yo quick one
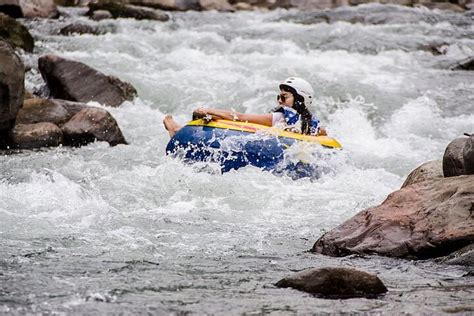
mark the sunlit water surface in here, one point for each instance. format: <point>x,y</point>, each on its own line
<point>127,229</point>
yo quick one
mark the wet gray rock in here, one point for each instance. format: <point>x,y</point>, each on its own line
<point>119,10</point>
<point>92,124</point>
<point>75,81</point>
<point>12,76</point>
<point>11,8</point>
<point>468,155</point>
<point>462,257</point>
<point>453,162</point>
<point>466,64</point>
<point>15,33</point>
<point>100,15</point>
<point>335,283</point>
<point>30,136</point>
<point>424,220</point>
<point>303,4</point>
<point>79,28</point>
<point>172,5</point>
<point>39,9</point>
<point>54,111</point>
<point>430,170</point>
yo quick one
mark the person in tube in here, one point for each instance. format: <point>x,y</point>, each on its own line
<point>292,112</point>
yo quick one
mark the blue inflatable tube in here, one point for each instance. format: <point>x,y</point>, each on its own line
<point>236,144</point>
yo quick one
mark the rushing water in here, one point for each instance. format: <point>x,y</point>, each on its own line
<point>103,229</point>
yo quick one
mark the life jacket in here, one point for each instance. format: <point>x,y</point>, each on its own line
<point>292,119</point>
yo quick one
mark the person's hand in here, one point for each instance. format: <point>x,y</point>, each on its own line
<point>201,113</point>
<point>322,132</point>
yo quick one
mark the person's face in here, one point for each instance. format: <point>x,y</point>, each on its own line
<point>285,98</point>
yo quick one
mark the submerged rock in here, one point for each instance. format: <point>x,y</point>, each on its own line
<point>335,283</point>
<point>424,220</point>
<point>467,64</point>
<point>91,124</point>
<point>79,28</point>
<point>15,33</point>
<point>75,81</point>
<point>430,170</point>
<point>119,10</point>
<point>12,75</point>
<point>30,136</point>
<point>453,162</point>
<point>54,111</point>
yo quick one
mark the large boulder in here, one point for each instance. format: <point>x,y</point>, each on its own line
<point>423,220</point>
<point>468,155</point>
<point>335,283</point>
<point>428,171</point>
<point>54,111</point>
<point>75,81</point>
<point>30,136</point>
<point>91,124</point>
<point>39,9</point>
<point>15,33</point>
<point>453,162</point>
<point>119,10</point>
<point>11,8</point>
<point>12,75</point>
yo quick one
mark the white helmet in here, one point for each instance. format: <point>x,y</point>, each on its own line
<point>302,87</point>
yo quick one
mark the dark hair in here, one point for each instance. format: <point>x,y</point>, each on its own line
<point>300,108</point>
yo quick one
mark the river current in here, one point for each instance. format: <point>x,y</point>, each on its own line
<point>102,229</point>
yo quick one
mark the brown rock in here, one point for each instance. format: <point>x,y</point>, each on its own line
<point>75,81</point>
<point>468,155</point>
<point>453,162</point>
<point>335,283</point>
<point>100,15</point>
<point>39,9</point>
<point>11,8</point>
<point>53,111</point>
<point>12,89</point>
<point>30,136</point>
<point>218,5</point>
<point>243,6</point>
<point>15,33</point>
<point>119,10</point>
<point>430,170</point>
<point>91,124</point>
<point>423,220</point>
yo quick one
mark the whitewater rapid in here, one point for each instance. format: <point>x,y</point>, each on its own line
<point>102,229</point>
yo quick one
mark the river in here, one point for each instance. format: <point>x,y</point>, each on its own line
<point>127,229</point>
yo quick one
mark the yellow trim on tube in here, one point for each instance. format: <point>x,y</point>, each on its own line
<point>252,128</point>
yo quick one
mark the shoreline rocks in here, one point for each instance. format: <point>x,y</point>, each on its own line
<point>75,81</point>
<point>119,10</point>
<point>335,283</point>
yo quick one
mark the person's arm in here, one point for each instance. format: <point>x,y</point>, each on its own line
<point>263,119</point>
